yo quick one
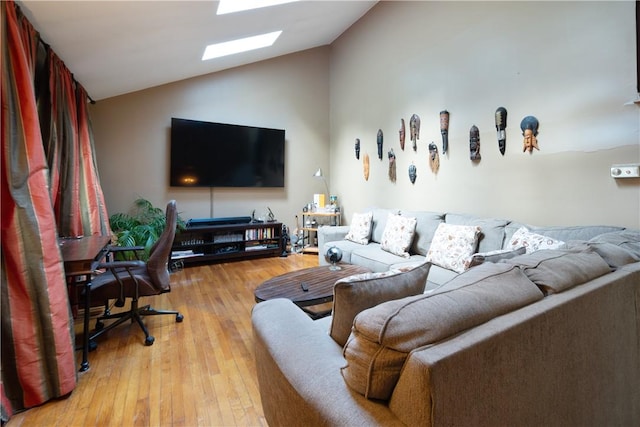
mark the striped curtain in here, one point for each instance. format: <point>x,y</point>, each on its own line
<point>75,187</point>
<point>38,361</point>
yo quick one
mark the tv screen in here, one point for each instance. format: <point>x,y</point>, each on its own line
<point>206,154</point>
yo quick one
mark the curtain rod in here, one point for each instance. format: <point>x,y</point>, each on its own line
<point>48,47</point>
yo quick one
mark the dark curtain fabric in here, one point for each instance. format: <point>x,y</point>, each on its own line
<point>37,329</point>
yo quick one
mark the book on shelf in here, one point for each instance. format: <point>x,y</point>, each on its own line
<point>183,254</point>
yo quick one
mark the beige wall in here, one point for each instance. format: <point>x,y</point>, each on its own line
<point>572,65</point>
<point>415,57</point>
<point>132,134</point>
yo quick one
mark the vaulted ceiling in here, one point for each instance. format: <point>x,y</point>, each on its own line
<point>117,47</point>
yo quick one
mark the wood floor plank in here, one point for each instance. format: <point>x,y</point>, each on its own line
<point>200,372</point>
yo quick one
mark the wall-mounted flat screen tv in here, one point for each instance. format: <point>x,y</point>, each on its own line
<point>207,154</point>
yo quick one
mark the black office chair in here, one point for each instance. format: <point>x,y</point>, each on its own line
<point>135,279</point>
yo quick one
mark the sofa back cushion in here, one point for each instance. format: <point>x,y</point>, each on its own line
<point>380,216</point>
<point>354,294</point>
<point>492,230</point>
<point>578,232</point>
<point>383,336</point>
<point>426,225</point>
<point>556,270</point>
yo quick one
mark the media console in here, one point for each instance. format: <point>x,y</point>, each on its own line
<point>226,239</point>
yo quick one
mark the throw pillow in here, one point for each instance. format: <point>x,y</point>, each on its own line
<point>398,234</point>
<point>453,245</point>
<point>356,293</point>
<point>360,228</point>
<point>531,241</point>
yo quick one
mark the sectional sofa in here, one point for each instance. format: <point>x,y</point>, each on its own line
<point>493,241</point>
<point>546,337</point>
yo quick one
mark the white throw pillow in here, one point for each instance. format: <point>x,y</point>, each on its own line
<point>360,228</point>
<point>531,241</point>
<point>453,245</point>
<point>398,234</point>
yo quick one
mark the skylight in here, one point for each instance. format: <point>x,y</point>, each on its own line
<point>231,6</point>
<point>240,45</point>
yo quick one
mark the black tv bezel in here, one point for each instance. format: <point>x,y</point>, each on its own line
<point>248,180</point>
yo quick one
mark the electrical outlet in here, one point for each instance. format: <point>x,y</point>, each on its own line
<point>625,171</point>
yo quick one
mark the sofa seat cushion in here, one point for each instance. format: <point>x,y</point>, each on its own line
<point>495,256</point>
<point>384,335</point>
<point>453,245</point>
<point>375,259</point>
<point>556,270</point>
<point>355,293</point>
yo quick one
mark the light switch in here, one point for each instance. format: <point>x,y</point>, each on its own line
<point>625,171</point>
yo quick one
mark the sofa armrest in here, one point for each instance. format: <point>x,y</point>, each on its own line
<point>298,367</point>
<point>331,234</point>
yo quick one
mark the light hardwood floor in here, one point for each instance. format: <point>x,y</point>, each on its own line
<point>197,373</point>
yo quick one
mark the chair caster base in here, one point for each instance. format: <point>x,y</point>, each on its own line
<point>149,340</point>
<point>179,318</point>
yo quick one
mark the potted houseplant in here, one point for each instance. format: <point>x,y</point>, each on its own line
<point>140,227</point>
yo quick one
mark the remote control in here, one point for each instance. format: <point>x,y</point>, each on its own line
<point>304,287</point>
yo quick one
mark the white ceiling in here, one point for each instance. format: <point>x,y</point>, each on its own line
<point>117,47</point>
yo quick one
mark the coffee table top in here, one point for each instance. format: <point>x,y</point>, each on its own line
<point>319,281</point>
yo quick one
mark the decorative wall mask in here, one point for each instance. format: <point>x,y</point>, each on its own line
<point>444,130</point>
<point>501,125</point>
<point>474,142</point>
<point>402,130</point>
<point>414,128</point>
<point>379,142</point>
<point>434,158</point>
<point>412,173</point>
<point>529,126</point>
<point>357,148</point>
<point>365,166</point>
<point>392,165</point>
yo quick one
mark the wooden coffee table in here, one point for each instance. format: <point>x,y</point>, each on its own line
<point>318,281</point>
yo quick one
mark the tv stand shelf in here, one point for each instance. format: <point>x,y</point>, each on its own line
<point>213,243</point>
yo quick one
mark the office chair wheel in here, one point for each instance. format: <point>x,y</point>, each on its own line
<point>92,345</point>
<point>149,340</point>
<point>99,326</point>
<point>179,318</point>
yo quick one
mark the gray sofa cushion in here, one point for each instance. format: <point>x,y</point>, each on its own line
<point>427,223</point>
<point>383,336</point>
<point>379,222</point>
<point>578,232</point>
<point>353,294</point>
<point>493,230</point>
<point>375,259</point>
<point>556,270</point>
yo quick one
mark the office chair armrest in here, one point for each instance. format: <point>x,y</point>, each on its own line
<point>123,249</point>
<point>111,265</point>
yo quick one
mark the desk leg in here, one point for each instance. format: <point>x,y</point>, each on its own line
<point>84,366</point>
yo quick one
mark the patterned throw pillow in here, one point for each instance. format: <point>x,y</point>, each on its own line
<point>453,245</point>
<point>398,234</point>
<point>532,242</point>
<point>360,228</point>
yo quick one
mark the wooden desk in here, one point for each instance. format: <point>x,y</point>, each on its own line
<point>80,258</point>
